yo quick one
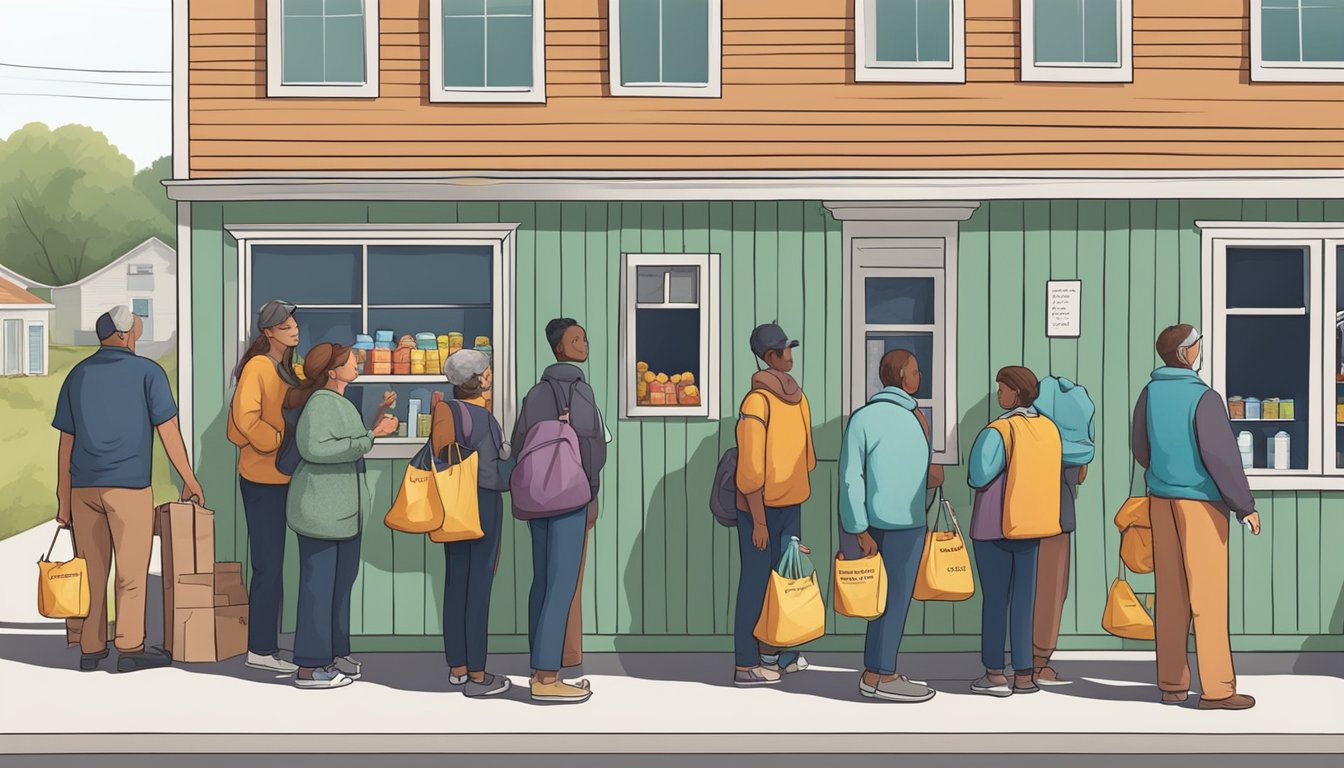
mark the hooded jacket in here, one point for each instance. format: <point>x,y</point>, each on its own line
<point>541,405</point>
<point>884,466</point>
<point>774,441</point>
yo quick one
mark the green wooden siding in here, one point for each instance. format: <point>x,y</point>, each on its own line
<point>660,574</point>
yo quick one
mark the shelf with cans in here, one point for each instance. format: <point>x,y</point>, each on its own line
<point>1272,416</point>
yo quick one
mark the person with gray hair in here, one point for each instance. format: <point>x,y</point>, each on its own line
<point>109,406</point>
<point>470,566</point>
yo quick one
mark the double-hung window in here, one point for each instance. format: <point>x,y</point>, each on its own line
<point>322,48</point>
<point>665,47</point>
<point>1078,40</point>
<point>409,283</point>
<point>1297,40</point>
<point>921,41</point>
<point>669,335</point>
<point>487,50</point>
<point>1274,347</point>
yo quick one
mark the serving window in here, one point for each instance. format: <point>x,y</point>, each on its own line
<point>669,335</point>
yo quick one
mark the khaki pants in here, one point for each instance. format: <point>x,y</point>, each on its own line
<point>573,655</point>
<point>119,520</point>
<point>1052,586</point>
<point>1190,559</point>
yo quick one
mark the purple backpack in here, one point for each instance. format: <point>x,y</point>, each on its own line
<point>548,479</point>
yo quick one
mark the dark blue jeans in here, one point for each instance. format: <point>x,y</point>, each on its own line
<point>557,551</point>
<point>264,506</point>
<point>900,551</point>
<point>757,564</point>
<point>469,573</point>
<point>327,571</point>
<point>1008,583</point>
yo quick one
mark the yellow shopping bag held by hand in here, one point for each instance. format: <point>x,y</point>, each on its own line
<point>457,492</point>
<point>945,567</point>
<point>1124,616</point>
<point>418,508</point>
<point>860,587</point>
<point>62,588</point>
<point>794,612</point>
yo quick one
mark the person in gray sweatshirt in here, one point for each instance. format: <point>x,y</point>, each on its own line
<point>558,542</point>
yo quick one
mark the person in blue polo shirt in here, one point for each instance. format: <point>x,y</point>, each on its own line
<point>109,407</point>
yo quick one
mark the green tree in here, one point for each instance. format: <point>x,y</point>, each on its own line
<point>149,182</point>
<point>71,203</point>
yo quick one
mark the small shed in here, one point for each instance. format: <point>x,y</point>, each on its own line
<point>25,322</point>
<point>144,279</point>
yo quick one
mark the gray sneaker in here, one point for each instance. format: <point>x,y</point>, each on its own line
<point>347,666</point>
<point>493,685</point>
<point>900,689</point>
<point>988,687</point>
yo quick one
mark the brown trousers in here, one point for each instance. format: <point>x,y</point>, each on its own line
<point>573,653</point>
<point>1190,559</point>
<point>1052,587</point>
<point>120,521</point>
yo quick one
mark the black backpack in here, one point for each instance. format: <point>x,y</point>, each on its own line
<point>723,494</point>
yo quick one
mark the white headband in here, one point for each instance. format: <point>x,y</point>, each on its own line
<point>1191,339</point>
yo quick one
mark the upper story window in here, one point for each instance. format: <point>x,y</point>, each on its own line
<point>318,48</point>
<point>140,277</point>
<point>921,41</point>
<point>487,50</point>
<point>1078,40</point>
<point>1297,40</point>
<point>665,47</point>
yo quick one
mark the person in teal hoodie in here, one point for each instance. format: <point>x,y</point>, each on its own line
<point>885,472</point>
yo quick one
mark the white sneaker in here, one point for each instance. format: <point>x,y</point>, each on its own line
<point>347,666</point>
<point>457,681</point>
<point>271,663</point>
<point>324,678</point>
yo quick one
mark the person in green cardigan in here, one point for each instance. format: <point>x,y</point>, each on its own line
<point>327,500</point>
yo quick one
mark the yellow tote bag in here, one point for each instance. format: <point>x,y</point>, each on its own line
<point>861,587</point>
<point>1136,534</point>
<point>417,508</point>
<point>1124,616</point>
<point>455,487</point>
<point>945,567</point>
<point>793,612</point>
<point>62,588</point>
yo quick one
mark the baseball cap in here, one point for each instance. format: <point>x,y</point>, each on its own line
<point>116,320</point>
<point>274,313</point>
<point>770,337</point>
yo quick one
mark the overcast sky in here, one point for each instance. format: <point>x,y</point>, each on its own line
<point>70,51</point>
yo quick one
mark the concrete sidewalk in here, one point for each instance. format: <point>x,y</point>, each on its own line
<point>645,704</point>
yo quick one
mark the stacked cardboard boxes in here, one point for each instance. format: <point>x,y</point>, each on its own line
<point>204,602</point>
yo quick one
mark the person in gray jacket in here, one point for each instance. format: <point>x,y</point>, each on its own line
<point>558,543</point>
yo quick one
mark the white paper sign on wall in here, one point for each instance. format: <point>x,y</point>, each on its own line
<point>1063,309</point>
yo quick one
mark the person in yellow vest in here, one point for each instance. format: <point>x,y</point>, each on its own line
<point>264,376</point>
<point>1015,467</point>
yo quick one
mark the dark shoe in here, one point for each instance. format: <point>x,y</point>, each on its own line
<point>1233,702</point>
<point>1175,697</point>
<point>1024,684</point>
<point>88,662</point>
<point>150,658</point>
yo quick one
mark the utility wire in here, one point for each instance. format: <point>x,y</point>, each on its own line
<point>94,71</point>
<point>85,82</point>
<point>81,96</point>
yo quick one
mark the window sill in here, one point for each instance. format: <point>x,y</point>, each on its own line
<point>1261,73</point>
<point>488,96</point>
<point>1290,480</point>
<point>667,412</point>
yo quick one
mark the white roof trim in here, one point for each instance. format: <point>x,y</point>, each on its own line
<point>23,282</point>
<point>122,259</point>
<point>41,307</point>
<point>766,185</point>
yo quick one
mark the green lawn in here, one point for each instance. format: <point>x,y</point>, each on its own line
<point>28,443</point>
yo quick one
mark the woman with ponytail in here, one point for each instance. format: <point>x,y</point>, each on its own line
<point>264,377</point>
<point>328,499</point>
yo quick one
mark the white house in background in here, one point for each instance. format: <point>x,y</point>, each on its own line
<point>25,321</point>
<point>144,279</point>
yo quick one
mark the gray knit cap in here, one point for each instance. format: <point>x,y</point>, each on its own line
<point>464,365</point>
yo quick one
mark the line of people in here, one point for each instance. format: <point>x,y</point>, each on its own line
<point>301,467</point>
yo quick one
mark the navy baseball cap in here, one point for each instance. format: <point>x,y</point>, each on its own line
<point>770,337</point>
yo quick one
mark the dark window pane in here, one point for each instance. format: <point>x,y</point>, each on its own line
<point>1323,31</point>
<point>640,47</point>
<point>323,326</point>
<point>649,285</point>
<point>1101,33</point>
<point>935,30</point>
<point>1280,33</point>
<point>1059,31</point>
<point>685,41</point>
<point>463,52</point>
<point>408,322</point>
<point>306,274</point>
<point>899,300</point>
<point>430,274</point>
<point>367,396</point>
<point>509,48</point>
<point>897,30</point>
<point>1268,357</point>
<point>1266,278</point>
<point>879,344</point>
<point>668,340</point>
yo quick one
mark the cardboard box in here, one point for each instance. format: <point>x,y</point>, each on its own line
<point>209,634</point>
<point>229,584</point>
<point>187,546</point>
<point>194,590</point>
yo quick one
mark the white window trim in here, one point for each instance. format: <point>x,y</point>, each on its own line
<point>1078,73</point>
<point>1320,239</point>
<point>275,60</point>
<point>711,90</point>
<point>893,253</point>
<point>438,94</point>
<point>709,306</point>
<point>1287,71</point>
<point>501,237</point>
<point>868,69</point>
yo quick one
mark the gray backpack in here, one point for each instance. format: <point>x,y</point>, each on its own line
<point>723,494</point>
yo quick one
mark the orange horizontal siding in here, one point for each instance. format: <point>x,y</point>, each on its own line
<point>789,102</point>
